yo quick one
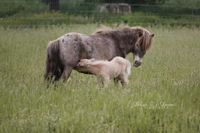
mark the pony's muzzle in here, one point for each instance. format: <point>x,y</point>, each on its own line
<point>137,63</point>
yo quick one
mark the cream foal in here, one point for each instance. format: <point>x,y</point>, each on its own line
<point>118,69</point>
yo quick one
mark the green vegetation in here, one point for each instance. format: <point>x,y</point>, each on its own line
<point>14,13</point>
<point>163,94</point>
<point>137,18</point>
<point>13,7</point>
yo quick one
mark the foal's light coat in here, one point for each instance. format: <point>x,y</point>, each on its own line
<point>118,69</point>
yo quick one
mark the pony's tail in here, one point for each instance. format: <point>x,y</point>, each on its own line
<point>54,67</point>
<point>128,68</point>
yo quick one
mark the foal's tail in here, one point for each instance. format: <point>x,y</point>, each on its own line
<point>128,68</point>
<point>54,67</point>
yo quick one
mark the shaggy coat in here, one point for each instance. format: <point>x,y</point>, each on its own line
<point>118,68</point>
<point>64,53</point>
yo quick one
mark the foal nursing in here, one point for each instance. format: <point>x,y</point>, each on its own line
<point>118,69</point>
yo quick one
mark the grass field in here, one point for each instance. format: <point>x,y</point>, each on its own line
<point>163,94</point>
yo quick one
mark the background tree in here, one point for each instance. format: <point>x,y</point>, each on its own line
<point>129,1</point>
<point>54,5</point>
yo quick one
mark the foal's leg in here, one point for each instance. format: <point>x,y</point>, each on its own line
<point>124,82</point>
<point>106,80</point>
<point>100,81</point>
<point>66,73</point>
<point>116,81</point>
<point>124,79</point>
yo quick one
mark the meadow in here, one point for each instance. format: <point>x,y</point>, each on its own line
<point>163,95</point>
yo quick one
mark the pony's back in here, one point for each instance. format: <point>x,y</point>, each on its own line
<point>123,61</point>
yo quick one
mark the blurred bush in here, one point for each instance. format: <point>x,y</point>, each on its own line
<point>11,7</point>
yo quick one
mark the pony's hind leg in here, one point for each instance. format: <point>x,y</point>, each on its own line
<point>66,73</point>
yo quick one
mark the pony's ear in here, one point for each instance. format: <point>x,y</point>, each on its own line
<point>140,33</point>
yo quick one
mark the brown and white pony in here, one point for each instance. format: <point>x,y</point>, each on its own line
<point>64,53</point>
<point>118,69</point>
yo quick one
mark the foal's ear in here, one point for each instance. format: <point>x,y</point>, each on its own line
<point>152,35</point>
<point>92,59</point>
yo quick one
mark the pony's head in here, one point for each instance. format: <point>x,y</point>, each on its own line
<point>136,40</point>
<point>142,44</point>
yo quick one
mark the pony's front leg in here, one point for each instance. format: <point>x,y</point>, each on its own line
<point>66,73</point>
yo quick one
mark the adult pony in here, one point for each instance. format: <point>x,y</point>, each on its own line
<point>64,53</point>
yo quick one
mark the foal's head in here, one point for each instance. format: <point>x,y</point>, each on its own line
<point>85,62</point>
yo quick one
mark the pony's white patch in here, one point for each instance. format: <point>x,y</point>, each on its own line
<point>137,58</point>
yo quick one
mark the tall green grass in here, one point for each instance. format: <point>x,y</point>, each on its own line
<point>163,94</point>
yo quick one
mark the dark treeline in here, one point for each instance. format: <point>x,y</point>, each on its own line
<point>34,12</point>
<point>128,1</point>
<point>54,4</point>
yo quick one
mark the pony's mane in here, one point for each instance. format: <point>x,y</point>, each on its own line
<point>146,39</point>
<point>108,30</point>
<point>103,29</point>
